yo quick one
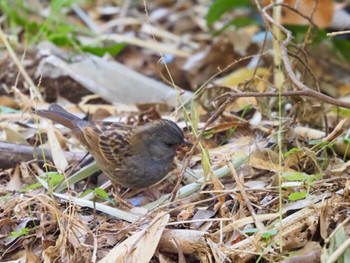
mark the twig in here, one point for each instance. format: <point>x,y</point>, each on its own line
<point>191,152</point>
<point>11,154</point>
<point>306,92</point>
<point>258,224</point>
<point>332,34</point>
<point>85,18</point>
<point>299,13</point>
<point>284,52</point>
<point>32,88</point>
<point>306,66</point>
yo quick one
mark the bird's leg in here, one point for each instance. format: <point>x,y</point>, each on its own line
<point>118,198</point>
<point>173,194</point>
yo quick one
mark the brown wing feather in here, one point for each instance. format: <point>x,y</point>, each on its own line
<point>109,140</point>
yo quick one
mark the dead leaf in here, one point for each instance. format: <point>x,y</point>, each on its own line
<point>15,183</point>
<point>322,12</point>
<point>139,247</point>
<point>56,150</point>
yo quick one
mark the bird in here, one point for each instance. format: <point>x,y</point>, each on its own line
<point>134,157</point>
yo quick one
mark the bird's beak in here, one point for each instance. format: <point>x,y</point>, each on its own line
<point>186,145</point>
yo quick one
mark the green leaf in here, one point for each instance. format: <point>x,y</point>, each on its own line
<point>54,179</point>
<point>62,35</point>
<point>85,193</point>
<point>243,21</point>
<point>208,135</point>
<point>55,27</point>
<point>297,196</point>
<point>83,173</point>
<point>220,7</point>
<point>291,151</point>
<point>24,231</point>
<point>300,31</point>
<point>57,5</point>
<point>101,51</point>
<point>30,187</point>
<point>59,39</point>
<point>194,115</point>
<point>205,162</point>
<point>341,237</point>
<point>269,233</point>
<point>295,176</point>
<point>341,112</point>
<point>319,142</point>
<point>238,22</point>
<point>250,231</point>
<point>101,193</point>
<point>343,47</point>
<point>303,177</point>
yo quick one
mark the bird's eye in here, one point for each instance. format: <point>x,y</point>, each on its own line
<point>170,144</point>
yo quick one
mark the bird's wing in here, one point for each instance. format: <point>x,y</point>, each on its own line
<point>109,140</point>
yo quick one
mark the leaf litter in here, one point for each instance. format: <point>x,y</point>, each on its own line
<point>245,196</point>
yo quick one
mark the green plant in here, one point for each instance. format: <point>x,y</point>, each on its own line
<point>337,250</point>
<point>300,177</point>
<point>220,7</point>
<point>22,232</point>
<point>54,27</point>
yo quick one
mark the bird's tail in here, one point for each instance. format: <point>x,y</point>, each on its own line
<point>58,114</point>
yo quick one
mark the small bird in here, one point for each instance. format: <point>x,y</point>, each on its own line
<point>132,156</point>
